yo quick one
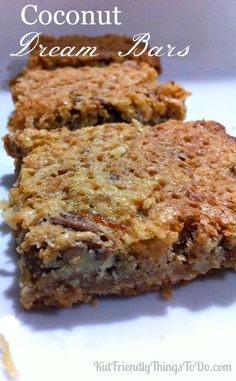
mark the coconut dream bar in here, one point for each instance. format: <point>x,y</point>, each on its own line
<point>80,97</point>
<point>120,208</point>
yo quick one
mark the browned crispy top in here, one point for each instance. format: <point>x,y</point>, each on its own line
<point>132,183</point>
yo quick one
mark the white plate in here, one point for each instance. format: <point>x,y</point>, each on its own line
<point>197,325</point>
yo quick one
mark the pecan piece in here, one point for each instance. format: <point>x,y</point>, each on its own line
<point>76,222</point>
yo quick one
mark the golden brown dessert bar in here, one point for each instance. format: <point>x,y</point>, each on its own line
<point>107,46</point>
<point>89,96</point>
<point>122,210</point>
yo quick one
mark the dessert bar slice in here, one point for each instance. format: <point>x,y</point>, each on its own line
<point>108,46</point>
<point>89,96</point>
<point>120,209</point>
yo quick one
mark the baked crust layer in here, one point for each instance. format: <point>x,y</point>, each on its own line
<point>89,96</point>
<point>121,210</point>
<point>107,45</point>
